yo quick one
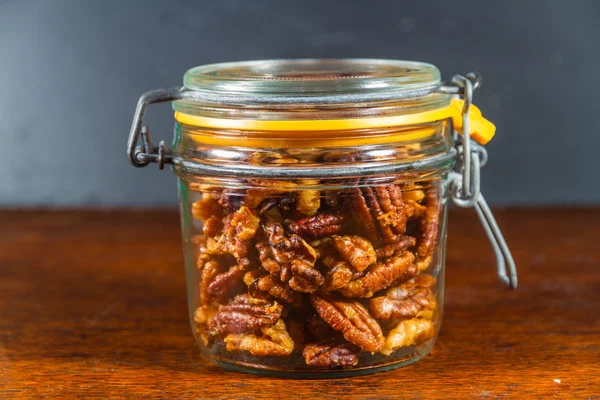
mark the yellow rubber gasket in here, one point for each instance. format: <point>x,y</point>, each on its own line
<point>481,129</point>
<point>315,125</point>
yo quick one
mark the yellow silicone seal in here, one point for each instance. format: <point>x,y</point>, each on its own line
<point>480,128</point>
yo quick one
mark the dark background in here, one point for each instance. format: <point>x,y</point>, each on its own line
<point>71,73</point>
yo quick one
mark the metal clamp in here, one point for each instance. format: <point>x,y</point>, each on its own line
<point>142,155</point>
<point>465,189</point>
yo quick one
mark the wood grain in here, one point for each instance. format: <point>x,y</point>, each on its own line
<point>93,305</point>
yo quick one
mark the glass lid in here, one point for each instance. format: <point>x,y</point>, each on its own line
<point>310,77</point>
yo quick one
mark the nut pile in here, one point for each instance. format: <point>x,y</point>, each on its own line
<point>321,275</point>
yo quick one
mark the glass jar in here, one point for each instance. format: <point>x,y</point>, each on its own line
<point>313,197</point>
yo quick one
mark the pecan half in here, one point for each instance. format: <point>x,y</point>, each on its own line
<point>429,225</point>
<point>358,252</point>
<point>380,212</point>
<point>291,259</point>
<point>392,204</point>
<point>306,278</point>
<point>319,225</point>
<point>224,284</point>
<point>275,341</point>
<point>408,333</point>
<point>357,205</point>
<point>269,284</point>
<point>244,314</point>
<point>382,275</point>
<point>330,355</point>
<point>409,300</point>
<point>352,320</point>
<point>403,243</point>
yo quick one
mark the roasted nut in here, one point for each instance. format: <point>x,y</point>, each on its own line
<point>244,314</point>
<point>358,252</point>
<point>264,189</point>
<point>276,242</point>
<point>429,225</point>
<point>224,284</point>
<point>338,273</point>
<point>411,299</point>
<point>380,213</point>
<point>245,223</point>
<point>202,315</point>
<point>331,355</point>
<point>238,229</point>
<point>275,341</point>
<point>403,243</point>
<point>408,333</point>
<point>308,201</point>
<point>206,207</point>
<point>212,226</point>
<point>352,320</point>
<point>269,284</point>
<point>231,199</point>
<point>358,209</point>
<point>290,259</point>
<point>412,194</point>
<point>382,275</point>
<point>210,271</point>
<point>392,204</point>
<point>319,225</point>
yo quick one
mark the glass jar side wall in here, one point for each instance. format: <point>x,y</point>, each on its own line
<point>299,278</point>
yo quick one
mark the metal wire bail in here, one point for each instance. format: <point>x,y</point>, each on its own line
<point>465,189</point>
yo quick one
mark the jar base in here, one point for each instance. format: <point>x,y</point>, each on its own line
<point>412,355</point>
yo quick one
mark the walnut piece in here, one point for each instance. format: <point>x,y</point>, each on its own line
<point>414,298</point>
<point>338,274</point>
<point>275,341</point>
<point>352,320</point>
<point>319,225</point>
<point>201,317</point>
<point>239,229</point>
<point>212,226</point>
<point>358,252</point>
<point>382,275</point>
<point>210,270</point>
<point>408,333</point>
<point>308,201</point>
<point>244,314</point>
<point>208,206</point>
<point>330,355</point>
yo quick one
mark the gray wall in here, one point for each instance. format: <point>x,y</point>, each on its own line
<point>71,72</point>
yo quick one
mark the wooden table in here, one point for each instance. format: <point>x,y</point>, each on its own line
<point>93,305</point>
